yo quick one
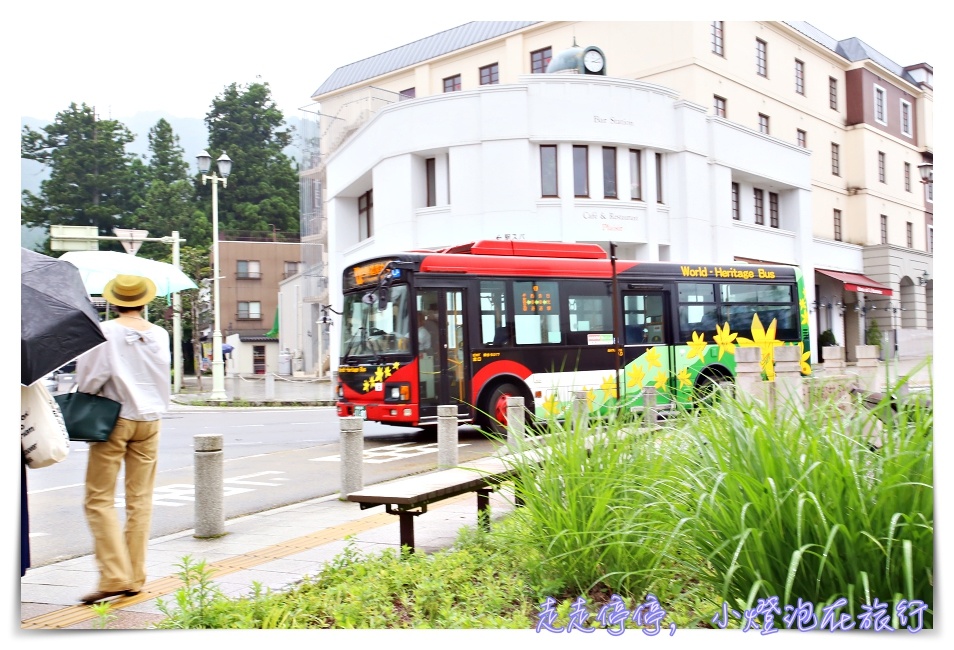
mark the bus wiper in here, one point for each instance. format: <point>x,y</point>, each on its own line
<point>351,342</point>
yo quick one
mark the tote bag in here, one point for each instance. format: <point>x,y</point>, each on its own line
<point>43,434</point>
<point>88,417</point>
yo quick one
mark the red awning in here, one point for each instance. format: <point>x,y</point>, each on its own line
<point>857,282</point>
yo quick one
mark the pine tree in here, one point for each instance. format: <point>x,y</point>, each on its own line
<point>170,203</point>
<point>262,193</point>
<point>92,179</point>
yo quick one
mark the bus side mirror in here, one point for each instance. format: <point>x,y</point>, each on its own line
<point>383,298</point>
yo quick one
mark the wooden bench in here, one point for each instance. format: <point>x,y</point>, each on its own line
<point>409,497</point>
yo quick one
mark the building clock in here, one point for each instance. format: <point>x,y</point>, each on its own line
<point>594,61</point>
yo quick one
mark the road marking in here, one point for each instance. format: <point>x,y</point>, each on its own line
<point>180,494</point>
<point>390,453</point>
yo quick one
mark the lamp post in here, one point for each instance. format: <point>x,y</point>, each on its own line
<point>224,164</point>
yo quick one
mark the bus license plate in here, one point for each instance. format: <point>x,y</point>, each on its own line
<point>360,412</point>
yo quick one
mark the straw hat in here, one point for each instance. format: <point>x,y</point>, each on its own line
<point>129,291</point>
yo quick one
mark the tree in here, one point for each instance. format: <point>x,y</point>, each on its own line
<point>262,192</point>
<point>170,203</point>
<point>92,179</point>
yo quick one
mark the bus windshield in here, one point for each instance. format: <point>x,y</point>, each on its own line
<point>369,331</point>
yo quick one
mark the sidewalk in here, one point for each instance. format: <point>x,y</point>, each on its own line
<point>275,548</point>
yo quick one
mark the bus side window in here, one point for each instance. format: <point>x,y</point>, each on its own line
<point>501,337</point>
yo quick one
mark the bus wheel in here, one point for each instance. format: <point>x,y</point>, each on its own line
<point>709,387</point>
<point>496,407</point>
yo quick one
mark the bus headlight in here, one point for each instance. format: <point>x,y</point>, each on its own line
<point>397,392</point>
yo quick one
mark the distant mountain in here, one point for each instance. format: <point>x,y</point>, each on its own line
<point>193,138</point>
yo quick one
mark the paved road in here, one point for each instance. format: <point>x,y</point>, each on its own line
<point>272,457</point>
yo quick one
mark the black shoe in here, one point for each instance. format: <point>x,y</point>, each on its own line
<point>97,596</point>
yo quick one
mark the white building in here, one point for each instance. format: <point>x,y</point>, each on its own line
<point>695,146</point>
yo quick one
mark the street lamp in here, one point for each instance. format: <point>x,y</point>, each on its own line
<point>224,163</point>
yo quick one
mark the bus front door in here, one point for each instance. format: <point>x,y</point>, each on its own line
<point>444,365</point>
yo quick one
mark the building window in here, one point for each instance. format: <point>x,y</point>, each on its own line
<point>837,225</point>
<point>736,214</point>
<point>659,178</point>
<point>930,192</point>
<point>905,118</point>
<point>907,177</point>
<point>833,93</point>
<point>799,77</point>
<point>759,207</point>
<point>581,185</point>
<point>430,168</point>
<point>548,170</point>
<point>773,210</point>
<point>802,138</point>
<point>879,106</point>
<point>609,173</point>
<point>761,57</point>
<point>365,215</point>
<point>489,75</point>
<point>835,160</point>
<point>718,44</point>
<point>635,175</point>
<point>452,84</point>
<point>540,59</point>
<point>881,167</point>
<point>910,235</point>
<point>249,270</point>
<point>930,239</point>
<point>884,229</point>
<point>407,93</point>
<point>249,310</point>
<point>763,123</point>
<point>291,268</point>
<point>719,105</point>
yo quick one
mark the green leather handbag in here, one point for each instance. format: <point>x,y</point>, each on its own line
<point>88,417</point>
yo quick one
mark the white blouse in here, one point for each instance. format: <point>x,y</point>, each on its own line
<point>131,367</point>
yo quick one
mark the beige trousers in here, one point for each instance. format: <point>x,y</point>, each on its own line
<point>121,555</point>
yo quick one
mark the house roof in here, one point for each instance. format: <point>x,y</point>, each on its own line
<point>426,48</point>
<point>456,38</point>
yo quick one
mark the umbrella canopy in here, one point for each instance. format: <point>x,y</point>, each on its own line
<point>99,267</point>
<point>57,320</point>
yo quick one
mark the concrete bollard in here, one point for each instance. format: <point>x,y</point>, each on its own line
<point>352,454</point>
<point>579,410</point>
<point>516,421</point>
<point>269,386</point>
<point>447,437</point>
<point>209,485</point>
<point>788,375</point>
<point>748,371</point>
<point>650,402</point>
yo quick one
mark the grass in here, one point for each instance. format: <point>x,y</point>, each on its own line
<point>733,504</point>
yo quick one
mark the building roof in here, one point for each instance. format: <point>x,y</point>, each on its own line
<point>426,48</point>
<point>852,49</point>
<point>456,38</point>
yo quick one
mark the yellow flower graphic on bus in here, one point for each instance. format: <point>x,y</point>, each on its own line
<point>697,346</point>
<point>635,377</point>
<point>652,358</point>
<point>724,339</point>
<point>765,340</point>
<point>803,357</point>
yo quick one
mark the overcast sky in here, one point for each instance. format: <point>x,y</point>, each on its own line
<point>177,57</point>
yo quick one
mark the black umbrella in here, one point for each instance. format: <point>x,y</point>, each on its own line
<point>57,320</point>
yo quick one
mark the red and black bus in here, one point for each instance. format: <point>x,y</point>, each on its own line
<point>471,325</point>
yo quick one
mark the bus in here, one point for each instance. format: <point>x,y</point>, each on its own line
<point>474,324</point>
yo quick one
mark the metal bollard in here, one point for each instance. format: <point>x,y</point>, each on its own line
<point>516,424</point>
<point>447,437</point>
<point>269,386</point>
<point>579,408</point>
<point>649,406</point>
<point>209,485</point>
<point>352,454</point>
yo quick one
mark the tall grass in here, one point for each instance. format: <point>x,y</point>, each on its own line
<point>817,503</point>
